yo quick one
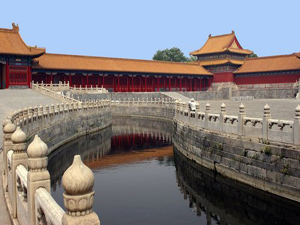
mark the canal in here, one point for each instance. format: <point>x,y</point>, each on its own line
<point>140,179</point>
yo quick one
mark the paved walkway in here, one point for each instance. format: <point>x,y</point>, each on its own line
<point>176,96</point>
<point>11,100</point>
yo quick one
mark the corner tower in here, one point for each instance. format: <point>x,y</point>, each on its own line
<point>221,55</point>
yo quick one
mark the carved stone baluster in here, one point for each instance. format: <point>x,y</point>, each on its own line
<point>78,182</point>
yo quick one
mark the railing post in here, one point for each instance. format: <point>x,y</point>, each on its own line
<point>207,111</point>
<point>241,119</point>
<point>265,124</point>
<point>38,175</point>
<point>8,130</point>
<point>222,114</point>
<point>78,182</point>
<point>296,127</point>
<point>19,157</point>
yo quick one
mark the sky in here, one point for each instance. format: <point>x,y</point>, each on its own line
<point>138,28</point>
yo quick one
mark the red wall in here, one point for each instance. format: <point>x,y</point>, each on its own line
<point>267,79</point>
<point>223,77</point>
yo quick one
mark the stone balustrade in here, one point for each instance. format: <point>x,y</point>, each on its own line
<point>50,91</point>
<point>261,152</point>
<point>90,90</point>
<point>29,197</point>
<point>61,86</point>
<point>264,129</point>
<point>26,179</point>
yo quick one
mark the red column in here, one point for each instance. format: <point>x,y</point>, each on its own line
<point>153,84</point>
<point>169,83</point>
<point>7,74</point>
<point>70,80</point>
<point>132,87</point>
<point>146,89</point>
<point>141,84</point>
<point>103,80</point>
<point>158,84</point>
<point>180,83</point>
<point>87,80</point>
<point>118,83</point>
<point>29,76</point>
<point>127,82</point>
<point>209,82</point>
<point>98,81</point>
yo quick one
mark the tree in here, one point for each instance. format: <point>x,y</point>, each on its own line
<point>174,55</point>
<point>253,55</point>
<point>192,58</point>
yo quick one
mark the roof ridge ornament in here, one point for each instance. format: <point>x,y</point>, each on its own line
<point>15,27</point>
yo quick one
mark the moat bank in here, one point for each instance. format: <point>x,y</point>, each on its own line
<point>139,179</point>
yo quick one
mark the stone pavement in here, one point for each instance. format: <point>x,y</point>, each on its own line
<point>176,96</point>
<point>283,109</point>
<point>11,100</point>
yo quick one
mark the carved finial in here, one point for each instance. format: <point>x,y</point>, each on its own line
<point>9,127</point>
<point>242,108</point>
<point>78,182</point>
<point>223,107</point>
<point>15,27</point>
<point>37,148</point>
<point>78,178</point>
<point>207,106</point>
<point>5,121</point>
<point>266,109</point>
<point>18,136</point>
<point>297,111</point>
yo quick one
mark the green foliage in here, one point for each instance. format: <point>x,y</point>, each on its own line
<point>192,59</point>
<point>267,150</point>
<point>253,55</point>
<point>285,170</point>
<point>173,55</point>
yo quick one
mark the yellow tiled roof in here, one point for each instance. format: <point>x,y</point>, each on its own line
<point>271,63</point>
<point>221,61</point>
<point>82,63</point>
<point>221,43</point>
<point>11,43</point>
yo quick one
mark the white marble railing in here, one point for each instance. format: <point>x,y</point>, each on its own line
<point>86,89</point>
<point>61,86</point>
<point>24,173</point>
<point>48,211</point>
<point>264,128</point>
<point>54,94</point>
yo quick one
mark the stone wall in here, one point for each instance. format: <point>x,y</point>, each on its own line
<point>118,95</point>
<point>157,109</point>
<point>272,167</point>
<point>256,93</point>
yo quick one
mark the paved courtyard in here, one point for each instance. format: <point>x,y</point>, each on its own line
<point>280,108</point>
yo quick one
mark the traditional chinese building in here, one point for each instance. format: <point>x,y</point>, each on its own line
<point>268,70</point>
<point>15,58</point>
<point>20,64</point>
<point>221,59</point>
<point>222,55</point>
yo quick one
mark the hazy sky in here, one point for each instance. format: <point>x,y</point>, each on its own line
<point>137,29</point>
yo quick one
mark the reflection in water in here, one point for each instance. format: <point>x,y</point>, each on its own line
<point>136,176</point>
<point>228,202</point>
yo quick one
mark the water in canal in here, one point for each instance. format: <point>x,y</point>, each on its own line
<point>140,179</point>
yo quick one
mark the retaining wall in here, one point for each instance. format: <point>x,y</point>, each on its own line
<point>217,144</point>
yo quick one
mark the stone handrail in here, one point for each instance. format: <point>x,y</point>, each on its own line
<point>264,128</point>
<point>45,121</point>
<point>61,86</point>
<point>48,210</point>
<point>87,89</point>
<point>49,92</point>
